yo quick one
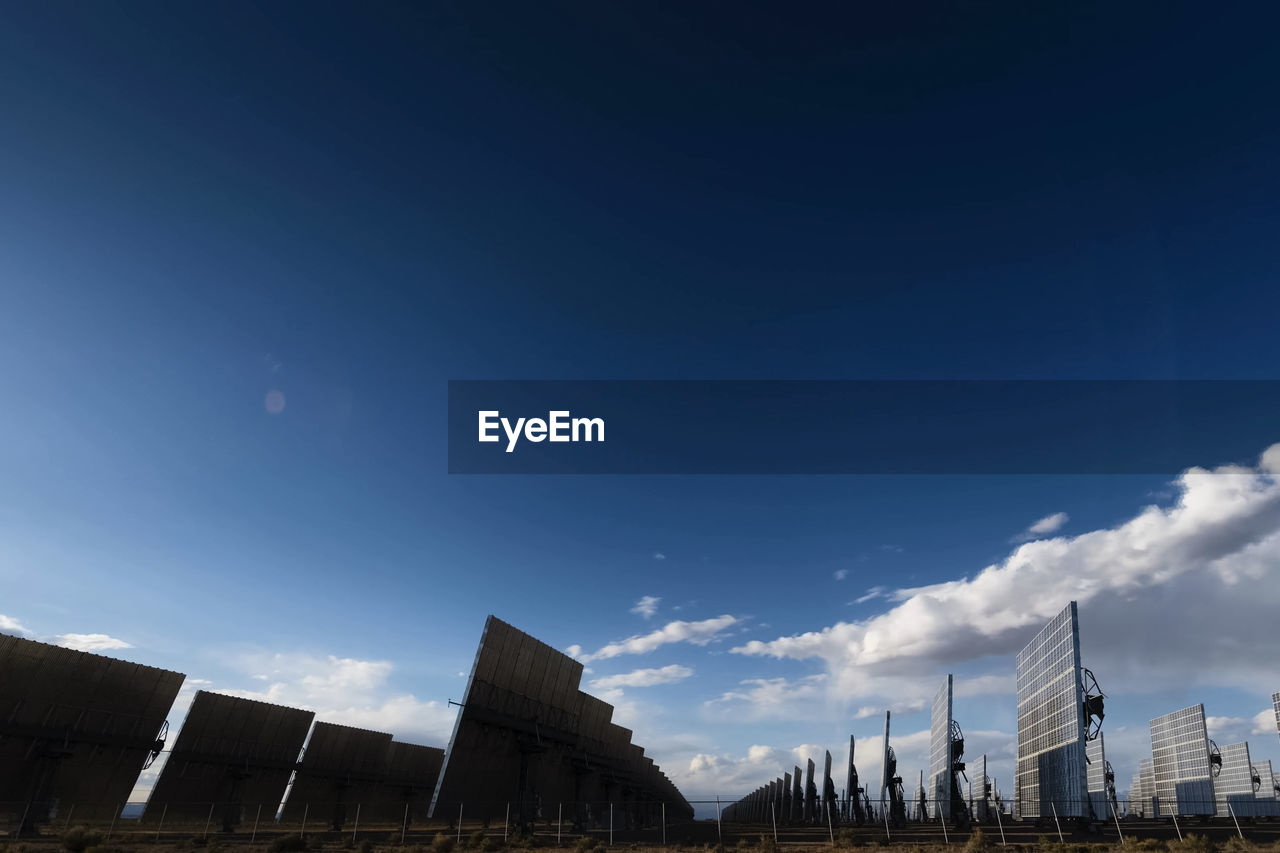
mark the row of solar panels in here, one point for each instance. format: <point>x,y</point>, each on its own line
<point>78,728</point>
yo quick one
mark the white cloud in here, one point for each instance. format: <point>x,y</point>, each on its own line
<point>697,633</point>
<point>1043,527</point>
<point>659,556</point>
<point>840,574</point>
<point>769,698</point>
<point>1223,726</point>
<point>346,690</point>
<point>1215,550</point>
<point>9,625</point>
<point>1263,722</point>
<point>647,606</point>
<point>90,642</point>
<point>643,677</point>
<point>874,592</point>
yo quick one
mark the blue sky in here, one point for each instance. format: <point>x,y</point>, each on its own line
<point>209,203</point>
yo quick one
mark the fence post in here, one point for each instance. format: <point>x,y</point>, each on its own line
<point>611,824</point>
<point>163,812</point>
<point>306,808</point>
<point>664,823</point>
<point>1175,824</point>
<point>942,819</point>
<point>1117,819</point>
<point>357,826</point>
<point>210,820</point>
<point>559,821</point>
<point>459,824</point>
<point>1055,821</point>
<point>1000,823</point>
<point>404,826</point>
<point>774,812</point>
<point>506,821</point>
<point>719,836</point>
<point>256,818</point>
<point>70,811</point>
<point>23,822</point>
<point>830,830</point>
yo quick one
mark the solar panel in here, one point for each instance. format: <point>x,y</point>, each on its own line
<point>75,727</point>
<point>940,778</point>
<point>1268,790</point>
<point>1096,753</point>
<point>1180,756</point>
<point>237,753</point>
<point>1051,770</point>
<point>341,766</point>
<point>1233,789</point>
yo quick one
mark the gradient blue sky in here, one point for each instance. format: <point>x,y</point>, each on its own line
<point>204,203</point>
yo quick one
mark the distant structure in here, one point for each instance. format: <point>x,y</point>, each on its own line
<point>980,793</point>
<point>853,792</point>
<point>527,736</point>
<point>341,767</point>
<point>76,728</point>
<point>1275,702</point>
<point>891,784</point>
<point>1059,710</point>
<point>1185,763</point>
<point>230,751</point>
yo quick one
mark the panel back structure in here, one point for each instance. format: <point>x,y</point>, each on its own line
<point>940,778</point>
<point>1275,703</point>
<point>527,737</point>
<point>404,796</point>
<point>233,752</point>
<point>75,728</point>
<point>1051,768</point>
<point>341,767</point>
<point>1233,789</point>
<point>1180,756</point>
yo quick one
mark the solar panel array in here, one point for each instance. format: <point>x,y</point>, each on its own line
<point>1268,794</point>
<point>230,751</point>
<point>76,727</point>
<point>1180,755</point>
<point>529,737</point>
<point>1051,770</point>
<point>1234,786</point>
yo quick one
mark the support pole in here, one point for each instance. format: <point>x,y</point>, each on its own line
<point>404,826</point>
<point>163,812</point>
<point>1175,826</point>
<point>774,812</point>
<point>1055,821</point>
<point>611,824</point>
<point>1117,820</point>
<point>719,836</point>
<point>1231,809</point>
<point>23,822</point>
<point>1000,823</point>
<point>942,819</point>
<point>210,819</point>
<point>70,812</point>
<point>830,830</point>
<point>357,826</point>
<point>256,818</point>
<point>459,824</point>
<point>885,812</point>
<point>306,807</point>
<point>506,821</point>
<point>114,815</point>
<point>664,824</point>
<point>559,821</point>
